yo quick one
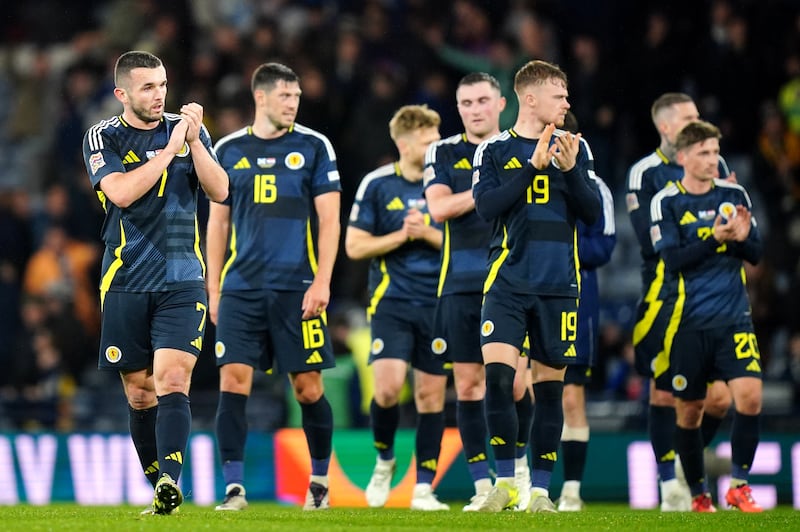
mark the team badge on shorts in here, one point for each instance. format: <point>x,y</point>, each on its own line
<point>377,346</point>
<point>113,354</point>
<point>679,383</point>
<point>219,349</point>
<point>487,328</point>
<point>439,346</point>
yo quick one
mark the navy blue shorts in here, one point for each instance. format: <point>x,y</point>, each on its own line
<point>653,334</point>
<point>551,323</point>
<point>265,330</point>
<point>135,324</point>
<point>405,331</point>
<point>579,374</point>
<point>699,357</point>
<point>457,325</point>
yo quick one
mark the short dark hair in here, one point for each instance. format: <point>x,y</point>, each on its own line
<point>695,132</point>
<point>268,74</point>
<point>667,100</point>
<point>473,78</point>
<point>134,59</point>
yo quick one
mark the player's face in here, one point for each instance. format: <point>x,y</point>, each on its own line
<point>281,104</point>
<point>144,93</point>
<point>551,101</point>
<point>700,161</point>
<point>679,116</point>
<point>479,106</point>
<point>417,142</point>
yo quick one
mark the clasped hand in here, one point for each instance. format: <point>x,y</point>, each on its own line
<point>188,128</point>
<point>564,150</point>
<point>736,229</point>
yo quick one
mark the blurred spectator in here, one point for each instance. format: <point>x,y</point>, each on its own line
<point>591,89</point>
<point>41,393</point>
<point>789,93</point>
<point>61,267</point>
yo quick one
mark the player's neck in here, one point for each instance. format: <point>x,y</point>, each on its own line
<point>668,150</point>
<point>529,127</point>
<point>264,129</point>
<point>694,185</point>
<point>134,121</point>
<point>410,171</point>
<point>477,139</point>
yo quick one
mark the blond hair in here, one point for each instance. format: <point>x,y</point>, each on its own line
<point>410,118</point>
<point>537,72</point>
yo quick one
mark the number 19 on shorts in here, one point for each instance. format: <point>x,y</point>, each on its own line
<point>569,326</point>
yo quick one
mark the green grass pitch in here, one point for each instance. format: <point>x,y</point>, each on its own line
<point>266,516</point>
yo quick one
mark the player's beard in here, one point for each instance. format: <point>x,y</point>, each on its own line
<point>145,115</point>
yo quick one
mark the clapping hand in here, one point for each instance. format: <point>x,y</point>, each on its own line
<point>564,150</point>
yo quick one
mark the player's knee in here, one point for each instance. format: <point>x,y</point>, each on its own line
<point>471,390</point>
<point>662,398</point>
<point>307,387</point>
<point>141,398</point>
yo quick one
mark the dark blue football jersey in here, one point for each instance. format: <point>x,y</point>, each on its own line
<point>410,272</point>
<point>273,183</point>
<point>465,243</point>
<point>533,246</point>
<point>712,292</point>
<point>645,178</point>
<point>153,245</point>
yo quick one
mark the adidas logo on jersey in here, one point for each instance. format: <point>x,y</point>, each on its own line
<point>131,158</point>
<point>315,358</point>
<point>243,164</point>
<point>687,218</point>
<point>463,164</point>
<point>571,353</point>
<point>197,343</point>
<point>395,205</point>
<point>512,164</point>
<point>753,366</point>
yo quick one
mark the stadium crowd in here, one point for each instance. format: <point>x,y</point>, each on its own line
<point>358,61</point>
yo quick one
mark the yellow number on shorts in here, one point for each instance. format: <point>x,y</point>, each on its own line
<point>746,345</point>
<point>569,326</point>
<point>539,191</point>
<point>312,334</point>
<point>264,189</point>
<point>201,308</point>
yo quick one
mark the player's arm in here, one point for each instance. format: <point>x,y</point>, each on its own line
<point>594,247</point>
<point>583,196</point>
<point>640,218</point>
<point>493,198</point>
<point>666,240</point>
<point>361,244</point>
<point>443,204</point>
<point>217,230</point>
<point>212,176</point>
<point>318,294</point>
<point>596,242</point>
<point>746,244</point>
<point>124,188</point>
